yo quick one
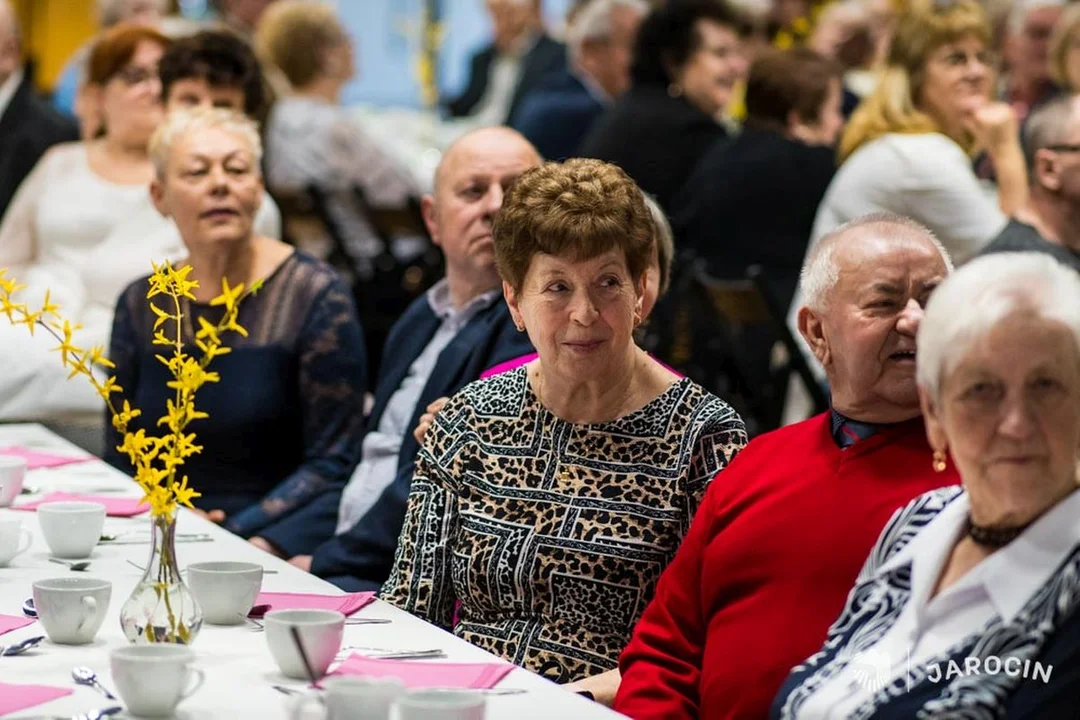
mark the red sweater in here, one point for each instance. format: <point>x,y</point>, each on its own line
<point>766,568</point>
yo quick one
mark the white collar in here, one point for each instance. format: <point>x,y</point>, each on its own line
<point>591,86</point>
<point>442,305</point>
<point>1013,574</point>
<point>9,88</point>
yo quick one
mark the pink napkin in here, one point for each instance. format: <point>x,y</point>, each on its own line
<point>417,674</point>
<point>35,459</point>
<point>345,604</point>
<point>114,507</point>
<point>13,622</point>
<point>14,698</point>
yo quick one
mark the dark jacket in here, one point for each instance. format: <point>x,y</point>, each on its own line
<point>657,139</point>
<point>545,56</point>
<point>28,128</point>
<point>752,201</point>
<point>557,116</point>
<point>366,551</point>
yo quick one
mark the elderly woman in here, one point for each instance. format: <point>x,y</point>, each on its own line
<point>285,422</point>
<point>78,197</point>
<point>908,148</point>
<point>587,463</point>
<point>970,596</point>
<point>688,59</point>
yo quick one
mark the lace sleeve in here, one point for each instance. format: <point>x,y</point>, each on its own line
<point>332,381</point>
<point>420,581</point>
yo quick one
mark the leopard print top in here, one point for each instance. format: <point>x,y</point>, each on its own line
<point>551,535</point>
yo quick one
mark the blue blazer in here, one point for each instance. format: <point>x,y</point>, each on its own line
<point>557,115</point>
<point>365,554</point>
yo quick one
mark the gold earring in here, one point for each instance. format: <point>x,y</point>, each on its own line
<point>939,461</point>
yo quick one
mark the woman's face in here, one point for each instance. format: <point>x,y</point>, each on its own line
<point>957,81</point>
<point>580,316</point>
<point>709,76</point>
<point>212,188</point>
<point>130,102</point>
<point>1009,413</point>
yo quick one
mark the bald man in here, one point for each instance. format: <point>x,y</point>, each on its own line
<point>445,340</point>
<point>28,126</point>
<point>784,530</point>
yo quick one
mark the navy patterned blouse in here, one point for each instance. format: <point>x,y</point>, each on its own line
<point>286,420</point>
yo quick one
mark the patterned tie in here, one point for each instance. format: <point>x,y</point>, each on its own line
<point>846,432</point>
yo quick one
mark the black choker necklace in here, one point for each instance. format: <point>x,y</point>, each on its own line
<point>992,537</point>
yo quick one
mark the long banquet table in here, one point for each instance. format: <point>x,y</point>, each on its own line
<point>239,670</point>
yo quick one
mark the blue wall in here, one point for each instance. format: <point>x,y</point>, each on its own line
<point>387,48</point>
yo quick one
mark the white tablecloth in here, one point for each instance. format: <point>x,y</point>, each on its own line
<point>239,669</point>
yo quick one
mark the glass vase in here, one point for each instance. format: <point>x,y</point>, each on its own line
<point>161,609</point>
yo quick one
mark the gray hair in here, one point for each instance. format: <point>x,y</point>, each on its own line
<point>112,12</point>
<point>593,22</point>
<point>985,291</point>
<point>182,122</point>
<point>1047,126</point>
<point>1020,9</point>
<point>664,239</point>
<point>820,271</point>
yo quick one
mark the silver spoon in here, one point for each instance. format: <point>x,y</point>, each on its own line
<point>20,647</point>
<point>76,566</point>
<point>86,676</point>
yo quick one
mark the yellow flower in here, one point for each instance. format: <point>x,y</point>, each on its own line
<point>28,318</point>
<point>229,296</point>
<point>207,331</point>
<point>9,308</point>
<point>97,357</point>
<point>65,346</point>
<point>180,283</point>
<point>162,316</point>
<point>110,387</point>
<point>47,308</point>
<point>184,494</point>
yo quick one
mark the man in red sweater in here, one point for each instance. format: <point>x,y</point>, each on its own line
<point>783,531</point>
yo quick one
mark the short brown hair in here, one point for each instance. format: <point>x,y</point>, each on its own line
<point>293,35</point>
<point>782,81</point>
<point>578,210</point>
<point>115,49</point>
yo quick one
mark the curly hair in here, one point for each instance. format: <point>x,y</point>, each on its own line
<point>576,210</point>
<point>669,36</point>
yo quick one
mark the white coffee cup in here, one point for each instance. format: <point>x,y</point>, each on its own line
<point>72,609</point>
<point>14,539</point>
<point>353,698</point>
<point>71,528</point>
<point>225,590</point>
<point>320,634</point>
<point>12,472</point>
<point>153,679</point>
<point>441,705</point>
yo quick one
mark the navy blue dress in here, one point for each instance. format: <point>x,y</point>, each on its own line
<point>286,420</point>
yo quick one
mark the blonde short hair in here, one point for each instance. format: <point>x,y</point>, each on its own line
<point>1065,29</point>
<point>983,293</point>
<point>180,123</point>
<point>891,108</point>
<point>293,35</point>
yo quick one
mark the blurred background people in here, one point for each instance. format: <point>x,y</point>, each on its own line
<point>1064,63</point>
<point>688,59</point>
<point>557,115</point>
<point>241,16</point>
<point>77,197</point>
<point>501,74</point>
<point>1028,82</point>
<point>1050,223</point>
<point>28,125</point>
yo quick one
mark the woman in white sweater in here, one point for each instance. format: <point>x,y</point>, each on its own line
<point>908,148</point>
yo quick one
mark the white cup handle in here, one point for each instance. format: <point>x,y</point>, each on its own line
<point>200,677</point>
<point>29,541</point>
<point>91,606</point>
<point>299,707</point>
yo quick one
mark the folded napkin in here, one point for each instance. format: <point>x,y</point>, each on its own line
<point>345,604</point>
<point>114,506</point>
<point>36,459</point>
<point>13,622</point>
<point>415,674</point>
<point>14,698</point>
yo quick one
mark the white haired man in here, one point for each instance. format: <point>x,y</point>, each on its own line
<point>1027,53</point>
<point>28,126</point>
<point>783,531</point>
<point>1050,223</point>
<point>557,115</point>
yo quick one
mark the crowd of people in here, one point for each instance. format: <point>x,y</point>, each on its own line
<point>512,463</point>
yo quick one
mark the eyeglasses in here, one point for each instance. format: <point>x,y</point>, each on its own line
<point>135,75</point>
<point>1063,148</point>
